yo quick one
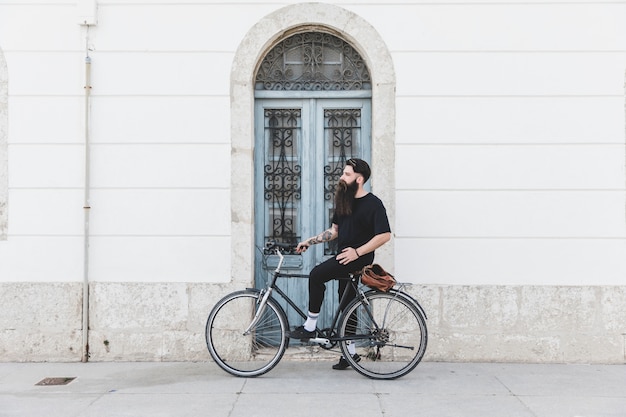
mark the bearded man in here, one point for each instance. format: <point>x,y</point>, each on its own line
<point>361,226</point>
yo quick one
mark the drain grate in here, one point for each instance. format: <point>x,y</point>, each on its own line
<point>64,380</point>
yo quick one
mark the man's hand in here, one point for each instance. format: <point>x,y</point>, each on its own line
<point>347,255</point>
<point>302,247</point>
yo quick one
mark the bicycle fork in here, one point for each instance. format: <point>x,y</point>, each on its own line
<point>263,297</point>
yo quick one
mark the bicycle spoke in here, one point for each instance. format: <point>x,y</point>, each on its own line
<point>242,354</point>
<point>397,333</point>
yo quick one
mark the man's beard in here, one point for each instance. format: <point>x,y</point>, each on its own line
<point>344,197</point>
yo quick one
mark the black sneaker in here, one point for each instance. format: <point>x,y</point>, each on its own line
<point>301,333</point>
<point>344,364</point>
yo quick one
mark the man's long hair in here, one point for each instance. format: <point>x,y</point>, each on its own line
<point>344,197</point>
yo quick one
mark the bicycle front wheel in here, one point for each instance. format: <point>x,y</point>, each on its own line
<point>251,354</point>
<point>389,333</point>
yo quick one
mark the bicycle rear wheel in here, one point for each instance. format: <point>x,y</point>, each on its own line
<point>252,354</point>
<point>389,333</point>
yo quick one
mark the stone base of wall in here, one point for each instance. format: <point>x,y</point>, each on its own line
<point>41,322</point>
<point>539,324</point>
<point>165,322</point>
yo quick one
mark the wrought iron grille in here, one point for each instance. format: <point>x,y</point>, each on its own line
<point>313,61</point>
<point>342,134</point>
<point>282,173</point>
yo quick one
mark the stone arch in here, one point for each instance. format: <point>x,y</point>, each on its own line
<point>252,48</point>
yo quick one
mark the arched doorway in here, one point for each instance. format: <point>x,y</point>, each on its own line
<point>262,37</point>
<point>312,113</point>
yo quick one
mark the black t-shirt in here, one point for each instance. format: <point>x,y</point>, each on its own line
<point>368,219</point>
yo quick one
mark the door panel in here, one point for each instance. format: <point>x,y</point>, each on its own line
<point>301,146</point>
<point>346,134</point>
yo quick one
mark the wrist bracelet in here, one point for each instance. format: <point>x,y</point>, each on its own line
<point>357,253</point>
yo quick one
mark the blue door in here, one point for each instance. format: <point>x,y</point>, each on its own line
<point>312,113</point>
<point>301,146</point>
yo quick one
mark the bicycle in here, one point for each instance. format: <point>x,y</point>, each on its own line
<point>246,330</point>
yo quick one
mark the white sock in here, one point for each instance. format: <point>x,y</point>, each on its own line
<point>311,321</point>
<point>351,348</point>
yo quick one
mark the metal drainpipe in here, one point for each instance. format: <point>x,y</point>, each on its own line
<point>86,207</point>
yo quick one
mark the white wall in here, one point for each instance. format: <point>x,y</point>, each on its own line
<point>510,145</point>
<point>159,133</point>
<point>4,98</point>
<point>510,140</point>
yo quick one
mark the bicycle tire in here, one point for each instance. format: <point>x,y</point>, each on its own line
<point>248,355</point>
<point>396,347</point>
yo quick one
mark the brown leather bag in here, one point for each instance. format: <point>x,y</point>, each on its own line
<point>375,277</point>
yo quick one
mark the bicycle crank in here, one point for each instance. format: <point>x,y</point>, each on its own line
<point>322,341</point>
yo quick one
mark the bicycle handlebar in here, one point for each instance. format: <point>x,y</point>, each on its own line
<point>283,247</point>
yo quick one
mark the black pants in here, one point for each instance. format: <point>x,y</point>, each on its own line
<point>332,269</point>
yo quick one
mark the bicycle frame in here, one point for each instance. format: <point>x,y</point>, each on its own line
<point>271,287</point>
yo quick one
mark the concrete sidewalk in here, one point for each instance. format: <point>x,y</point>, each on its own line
<point>296,388</point>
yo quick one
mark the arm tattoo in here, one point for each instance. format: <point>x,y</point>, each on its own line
<point>325,236</point>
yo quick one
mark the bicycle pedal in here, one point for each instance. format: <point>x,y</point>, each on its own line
<point>320,341</point>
